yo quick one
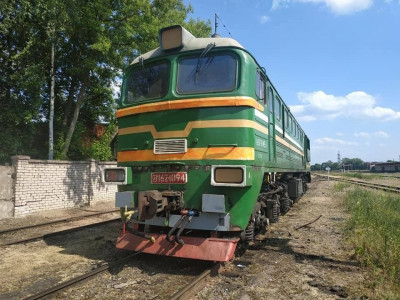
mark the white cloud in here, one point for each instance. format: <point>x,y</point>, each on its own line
<point>339,7</point>
<point>306,119</point>
<point>325,141</point>
<point>381,134</point>
<point>382,113</point>
<point>376,134</point>
<point>359,104</point>
<point>362,134</point>
<point>297,109</point>
<point>264,19</point>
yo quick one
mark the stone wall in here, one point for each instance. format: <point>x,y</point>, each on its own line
<point>49,184</point>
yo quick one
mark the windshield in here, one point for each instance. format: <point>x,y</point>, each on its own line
<point>206,74</point>
<point>147,82</point>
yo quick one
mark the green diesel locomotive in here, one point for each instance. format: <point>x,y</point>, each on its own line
<point>208,153</point>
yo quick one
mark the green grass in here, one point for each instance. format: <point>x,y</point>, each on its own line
<point>359,175</point>
<point>363,176</point>
<point>355,175</point>
<point>374,229</point>
<point>341,186</point>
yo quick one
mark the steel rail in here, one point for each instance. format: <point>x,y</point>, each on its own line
<point>57,221</point>
<point>60,232</point>
<point>384,187</point>
<point>388,176</point>
<point>196,284</point>
<point>78,279</point>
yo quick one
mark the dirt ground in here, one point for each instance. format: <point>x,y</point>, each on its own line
<point>26,267</point>
<point>313,262</point>
<point>51,215</point>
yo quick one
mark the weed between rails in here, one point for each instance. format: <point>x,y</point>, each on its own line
<point>374,229</point>
<point>360,176</point>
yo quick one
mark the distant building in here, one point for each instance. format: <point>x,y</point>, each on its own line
<point>385,167</point>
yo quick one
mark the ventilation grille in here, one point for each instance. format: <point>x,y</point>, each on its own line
<point>170,146</point>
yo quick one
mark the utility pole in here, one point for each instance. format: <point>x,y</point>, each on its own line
<point>216,35</point>
<point>52,87</point>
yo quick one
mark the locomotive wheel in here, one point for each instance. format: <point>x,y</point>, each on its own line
<point>305,187</point>
<point>249,233</point>
<point>273,210</point>
<point>286,203</point>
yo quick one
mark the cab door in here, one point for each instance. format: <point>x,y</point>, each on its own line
<point>271,128</point>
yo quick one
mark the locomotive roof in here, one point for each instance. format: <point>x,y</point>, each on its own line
<point>191,44</point>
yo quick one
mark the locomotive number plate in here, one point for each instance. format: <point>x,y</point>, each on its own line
<point>169,177</point>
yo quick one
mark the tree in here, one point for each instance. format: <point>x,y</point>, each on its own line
<point>355,163</point>
<point>92,42</point>
<point>22,77</point>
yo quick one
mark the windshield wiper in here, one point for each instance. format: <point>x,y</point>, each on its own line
<point>141,62</point>
<point>200,60</point>
<point>146,74</point>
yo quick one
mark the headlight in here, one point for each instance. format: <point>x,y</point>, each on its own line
<point>228,175</point>
<point>115,175</point>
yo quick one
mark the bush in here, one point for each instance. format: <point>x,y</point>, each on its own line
<point>374,228</point>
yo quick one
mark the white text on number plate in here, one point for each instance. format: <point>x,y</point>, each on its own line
<point>169,178</point>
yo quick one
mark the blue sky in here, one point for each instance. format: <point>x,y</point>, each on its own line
<point>336,63</point>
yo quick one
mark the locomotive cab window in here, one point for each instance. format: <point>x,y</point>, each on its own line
<point>146,82</point>
<point>206,74</point>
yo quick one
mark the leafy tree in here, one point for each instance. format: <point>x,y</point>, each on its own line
<point>92,42</point>
<point>354,163</point>
<point>22,77</point>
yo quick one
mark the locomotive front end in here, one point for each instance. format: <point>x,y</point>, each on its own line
<point>185,149</point>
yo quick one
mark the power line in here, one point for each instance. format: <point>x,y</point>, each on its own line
<point>216,25</point>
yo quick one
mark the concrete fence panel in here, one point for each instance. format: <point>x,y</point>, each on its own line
<point>38,185</point>
<point>6,192</point>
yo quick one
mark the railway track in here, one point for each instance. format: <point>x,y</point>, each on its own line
<point>64,220</point>
<point>383,187</point>
<point>197,283</point>
<point>45,234</point>
<point>185,292</point>
<point>390,176</point>
<point>76,280</point>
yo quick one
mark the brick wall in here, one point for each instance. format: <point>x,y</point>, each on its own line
<point>48,184</point>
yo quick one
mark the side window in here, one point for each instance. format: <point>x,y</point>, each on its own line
<point>291,124</point>
<point>277,108</point>
<point>260,87</point>
<point>271,100</point>
<point>286,119</point>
